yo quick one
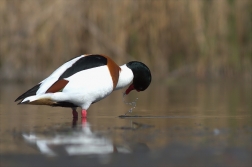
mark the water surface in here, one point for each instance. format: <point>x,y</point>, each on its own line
<point>185,123</point>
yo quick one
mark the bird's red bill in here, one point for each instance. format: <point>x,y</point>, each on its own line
<point>131,87</point>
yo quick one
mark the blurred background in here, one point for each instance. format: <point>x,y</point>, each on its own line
<point>196,111</point>
<point>198,38</point>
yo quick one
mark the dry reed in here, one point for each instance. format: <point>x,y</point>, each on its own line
<point>201,38</point>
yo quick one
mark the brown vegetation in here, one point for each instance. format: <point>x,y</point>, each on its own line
<point>201,38</point>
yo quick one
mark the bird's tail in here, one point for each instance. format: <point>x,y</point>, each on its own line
<point>44,99</point>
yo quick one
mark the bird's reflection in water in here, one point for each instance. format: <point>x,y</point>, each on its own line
<point>79,140</point>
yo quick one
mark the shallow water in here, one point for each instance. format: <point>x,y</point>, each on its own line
<point>185,123</point>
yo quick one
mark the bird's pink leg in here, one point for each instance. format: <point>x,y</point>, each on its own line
<point>75,113</point>
<point>83,113</point>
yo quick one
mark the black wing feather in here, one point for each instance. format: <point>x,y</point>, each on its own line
<point>84,63</point>
<point>29,92</point>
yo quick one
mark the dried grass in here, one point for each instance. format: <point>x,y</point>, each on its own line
<point>205,38</point>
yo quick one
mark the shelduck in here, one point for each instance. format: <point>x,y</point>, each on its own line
<point>84,80</point>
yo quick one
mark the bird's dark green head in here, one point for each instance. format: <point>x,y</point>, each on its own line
<point>142,76</point>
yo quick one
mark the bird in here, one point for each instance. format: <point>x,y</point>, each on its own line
<point>85,80</point>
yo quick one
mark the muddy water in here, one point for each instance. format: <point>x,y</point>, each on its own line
<point>184,123</point>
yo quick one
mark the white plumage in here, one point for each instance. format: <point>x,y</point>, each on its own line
<point>84,80</point>
<point>47,83</point>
